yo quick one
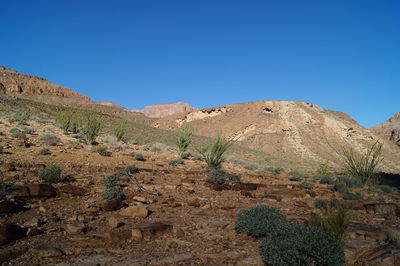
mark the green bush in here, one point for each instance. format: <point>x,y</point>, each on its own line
<point>183,138</point>
<point>186,155</point>
<point>306,185</point>
<point>18,134</point>
<point>113,193</point>
<point>111,181</point>
<point>335,219</point>
<point>51,174</point>
<point>70,121</point>
<point>219,176</point>
<point>297,244</point>
<point>323,170</point>
<point>340,187</point>
<point>90,128</point>
<point>119,131</point>
<point>259,221</point>
<point>278,198</point>
<point>131,169</point>
<point>176,161</point>
<point>353,196</point>
<point>364,166</point>
<point>327,180</point>
<point>350,182</point>
<point>50,140</point>
<point>383,189</point>
<point>2,133</point>
<point>22,115</point>
<point>276,171</point>
<point>44,151</point>
<point>213,152</point>
<point>321,204</point>
<point>138,156</point>
<point>102,150</point>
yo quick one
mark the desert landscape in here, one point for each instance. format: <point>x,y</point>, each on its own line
<point>86,183</point>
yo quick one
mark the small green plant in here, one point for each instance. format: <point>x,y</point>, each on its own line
<point>18,134</point>
<point>2,133</point>
<point>323,170</point>
<point>259,221</point>
<point>22,115</point>
<point>353,196</point>
<point>340,187</point>
<point>69,120</point>
<point>213,152</point>
<point>278,198</point>
<point>131,169</point>
<point>186,155</point>
<point>138,156</point>
<point>394,237</point>
<point>176,161</point>
<point>51,174</point>
<point>276,171</point>
<point>44,151</point>
<point>90,128</point>
<point>364,166</point>
<point>306,185</point>
<point>111,181</point>
<point>113,193</point>
<point>321,204</point>
<point>102,150</point>
<point>350,182</point>
<point>119,131</point>
<point>28,130</point>
<point>383,189</point>
<point>219,176</point>
<point>335,219</point>
<point>327,180</point>
<point>297,244</point>
<point>381,199</point>
<point>50,140</point>
<point>183,138</point>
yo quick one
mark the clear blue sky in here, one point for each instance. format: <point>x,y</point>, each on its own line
<point>341,55</point>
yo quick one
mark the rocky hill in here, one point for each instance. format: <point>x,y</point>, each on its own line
<point>298,131</point>
<point>166,109</point>
<point>390,129</point>
<point>110,104</point>
<point>14,83</point>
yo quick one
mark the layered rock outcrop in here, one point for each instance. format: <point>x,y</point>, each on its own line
<point>166,109</point>
<point>390,129</point>
<point>14,83</point>
<point>110,104</point>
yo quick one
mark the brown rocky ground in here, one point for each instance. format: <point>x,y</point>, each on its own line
<point>190,223</point>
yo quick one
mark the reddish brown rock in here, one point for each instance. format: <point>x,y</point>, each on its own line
<point>41,190</point>
<point>153,229</point>
<point>112,205</point>
<point>72,190</point>
<point>166,109</point>
<point>10,233</point>
<point>134,211</point>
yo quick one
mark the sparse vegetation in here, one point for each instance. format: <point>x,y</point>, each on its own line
<point>324,170</point>
<point>185,155</point>
<point>213,152</point>
<point>340,187</point>
<point>111,181</point>
<point>21,116</point>
<point>183,138</point>
<point>138,156</point>
<point>119,131</point>
<point>44,151</point>
<point>18,134</point>
<point>350,182</point>
<point>50,140</point>
<point>175,161</point>
<point>70,121</point>
<point>353,196</point>
<point>327,180</point>
<point>363,167</point>
<point>336,219</point>
<point>51,174</point>
<point>103,151</point>
<point>383,189</point>
<point>219,176</point>
<point>306,185</point>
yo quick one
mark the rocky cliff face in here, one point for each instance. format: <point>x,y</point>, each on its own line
<point>390,129</point>
<point>166,109</point>
<point>14,83</point>
<point>295,131</point>
<point>110,104</point>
